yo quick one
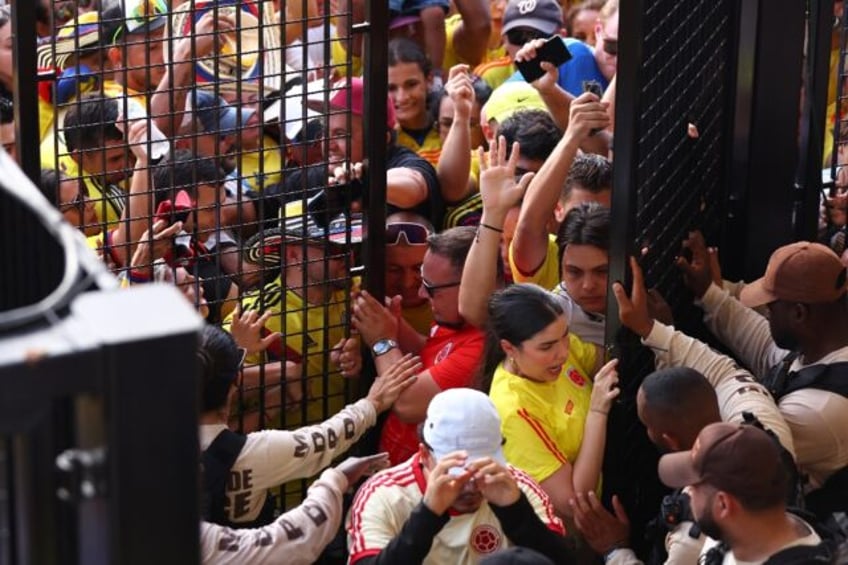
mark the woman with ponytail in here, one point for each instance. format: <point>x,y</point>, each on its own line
<point>553,416</point>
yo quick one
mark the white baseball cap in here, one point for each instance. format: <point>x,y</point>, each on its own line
<point>464,419</point>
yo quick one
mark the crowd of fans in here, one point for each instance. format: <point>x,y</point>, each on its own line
<point>220,146</point>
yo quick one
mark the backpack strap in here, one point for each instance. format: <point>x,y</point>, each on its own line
<point>218,460</point>
<point>832,378</point>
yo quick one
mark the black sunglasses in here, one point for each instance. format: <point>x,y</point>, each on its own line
<point>432,288</point>
<point>610,46</point>
<point>519,37</point>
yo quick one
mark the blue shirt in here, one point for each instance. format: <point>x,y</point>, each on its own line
<point>581,67</point>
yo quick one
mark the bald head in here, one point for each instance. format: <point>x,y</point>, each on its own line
<point>674,405</point>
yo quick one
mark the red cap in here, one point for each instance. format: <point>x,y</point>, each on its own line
<point>350,95</point>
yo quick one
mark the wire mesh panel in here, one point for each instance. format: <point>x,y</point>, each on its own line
<point>211,144</point>
<point>674,80</point>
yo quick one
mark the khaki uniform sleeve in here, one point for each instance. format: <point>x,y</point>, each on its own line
<point>741,329</point>
<point>297,537</point>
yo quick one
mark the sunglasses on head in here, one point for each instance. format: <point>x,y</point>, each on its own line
<point>407,233</point>
<point>519,37</point>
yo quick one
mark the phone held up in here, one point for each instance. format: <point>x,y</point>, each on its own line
<point>553,51</point>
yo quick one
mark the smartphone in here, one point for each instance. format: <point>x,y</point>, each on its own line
<point>178,210</point>
<point>553,51</point>
<point>594,87</point>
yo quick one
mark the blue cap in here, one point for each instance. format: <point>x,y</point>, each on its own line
<point>216,115</point>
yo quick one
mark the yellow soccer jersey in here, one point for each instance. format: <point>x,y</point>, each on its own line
<point>451,57</point>
<point>430,149</point>
<point>384,503</point>
<point>270,155</point>
<point>547,275</point>
<point>496,71</point>
<point>419,317</point>
<point>543,422</point>
<point>45,118</point>
<point>339,59</point>
<point>305,340</point>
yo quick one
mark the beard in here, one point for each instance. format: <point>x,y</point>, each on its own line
<point>783,339</point>
<point>708,524</point>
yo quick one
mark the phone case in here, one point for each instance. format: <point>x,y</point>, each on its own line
<point>553,51</point>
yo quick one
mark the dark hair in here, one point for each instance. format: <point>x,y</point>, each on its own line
<point>454,244</point>
<point>183,170</point>
<point>218,364</point>
<point>90,123</point>
<point>680,395</point>
<point>7,110</point>
<point>590,172</point>
<point>516,314</point>
<point>586,224</point>
<point>572,13</point>
<point>534,130</point>
<point>6,13</point>
<point>49,185</point>
<point>403,50</point>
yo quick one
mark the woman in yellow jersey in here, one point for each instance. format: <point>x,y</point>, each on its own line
<point>409,84</point>
<point>552,416</point>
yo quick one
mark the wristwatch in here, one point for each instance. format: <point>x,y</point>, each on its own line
<point>383,346</point>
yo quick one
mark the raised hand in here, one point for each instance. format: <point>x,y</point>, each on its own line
<point>697,272</point>
<point>388,386</point>
<point>498,188</point>
<point>605,388</point>
<point>354,468</point>
<point>547,81</point>
<point>633,310</point>
<point>247,327</point>
<point>149,249</point>
<point>587,114</point>
<point>460,90</point>
<point>495,482</point>
<point>372,320</point>
<point>347,356</point>
<point>601,530</point>
<point>443,488</point>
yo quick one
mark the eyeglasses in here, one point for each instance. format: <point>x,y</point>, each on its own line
<point>432,288</point>
<point>78,203</point>
<point>520,36</point>
<point>410,233</point>
<point>610,46</point>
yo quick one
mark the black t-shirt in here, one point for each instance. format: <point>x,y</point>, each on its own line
<point>293,186</point>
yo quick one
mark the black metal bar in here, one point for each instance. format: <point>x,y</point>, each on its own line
<point>811,141</point>
<point>765,149</point>
<point>625,165</point>
<point>376,89</point>
<point>26,89</point>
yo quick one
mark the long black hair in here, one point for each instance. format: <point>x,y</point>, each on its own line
<point>516,314</point>
<point>218,364</point>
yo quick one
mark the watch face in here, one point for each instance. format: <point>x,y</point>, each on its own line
<point>383,346</point>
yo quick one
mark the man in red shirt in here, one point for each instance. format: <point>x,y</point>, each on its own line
<point>450,354</point>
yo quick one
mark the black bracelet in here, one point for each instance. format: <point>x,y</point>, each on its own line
<point>493,228</point>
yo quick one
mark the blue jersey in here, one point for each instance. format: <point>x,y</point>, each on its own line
<point>580,68</point>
